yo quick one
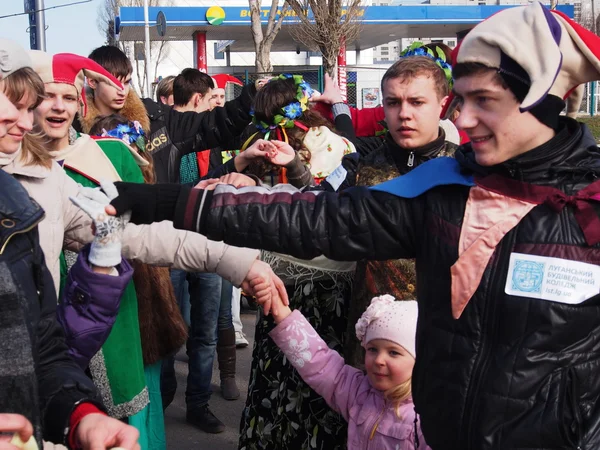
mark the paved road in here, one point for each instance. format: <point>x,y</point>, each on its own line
<point>180,435</point>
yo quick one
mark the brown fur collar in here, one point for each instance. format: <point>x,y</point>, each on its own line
<point>133,110</point>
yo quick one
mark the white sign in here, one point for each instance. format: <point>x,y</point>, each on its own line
<point>554,279</point>
<point>337,177</point>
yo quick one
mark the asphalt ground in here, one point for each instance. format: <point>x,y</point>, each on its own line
<point>181,435</point>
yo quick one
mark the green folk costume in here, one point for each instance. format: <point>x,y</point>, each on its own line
<point>118,369</point>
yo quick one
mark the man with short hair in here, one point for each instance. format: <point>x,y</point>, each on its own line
<point>506,238</point>
<point>171,134</point>
<point>107,98</point>
<point>164,90</point>
<point>210,321</point>
<point>415,89</point>
<point>192,91</point>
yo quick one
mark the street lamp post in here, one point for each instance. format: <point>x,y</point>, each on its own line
<point>147,49</point>
<point>40,21</point>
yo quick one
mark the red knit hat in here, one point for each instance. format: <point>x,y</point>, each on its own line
<point>222,80</point>
<point>70,69</point>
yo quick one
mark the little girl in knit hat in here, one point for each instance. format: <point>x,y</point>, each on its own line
<point>377,405</point>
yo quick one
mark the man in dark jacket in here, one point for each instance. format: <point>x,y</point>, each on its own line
<point>174,134</point>
<point>506,237</point>
<point>415,89</point>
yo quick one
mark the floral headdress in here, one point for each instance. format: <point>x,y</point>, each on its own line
<point>418,49</point>
<point>289,113</point>
<point>131,132</point>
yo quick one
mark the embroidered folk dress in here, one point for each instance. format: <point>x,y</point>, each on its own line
<point>282,411</point>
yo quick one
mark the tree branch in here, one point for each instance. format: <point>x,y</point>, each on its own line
<point>329,27</point>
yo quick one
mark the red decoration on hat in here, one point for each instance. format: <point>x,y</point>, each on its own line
<point>221,80</point>
<point>587,37</point>
<point>69,68</point>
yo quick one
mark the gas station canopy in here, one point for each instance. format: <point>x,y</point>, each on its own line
<point>379,24</point>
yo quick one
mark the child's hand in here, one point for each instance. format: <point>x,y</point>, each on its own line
<point>282,313</point>
<point>282,154</point>
<point>265,286</point>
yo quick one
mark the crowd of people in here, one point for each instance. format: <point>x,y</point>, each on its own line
<point>428,271</point>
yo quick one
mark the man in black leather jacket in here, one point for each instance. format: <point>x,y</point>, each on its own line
<point>506,239</point>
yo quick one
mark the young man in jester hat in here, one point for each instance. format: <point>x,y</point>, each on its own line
<point>132,353</point>
<point>506,238</point>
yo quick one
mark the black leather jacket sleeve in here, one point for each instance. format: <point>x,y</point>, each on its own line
<point>359,223</point>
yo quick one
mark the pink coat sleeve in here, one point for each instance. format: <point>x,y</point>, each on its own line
<point>320,367</point>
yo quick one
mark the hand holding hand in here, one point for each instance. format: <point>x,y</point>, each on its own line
<point>99,432</point>
<point>331,94</point>
<point>265,286</point>
<point>209,184</point>
<point>106,247</point>
<point>148,203</point>
<point>239,180</point>
<point>282,154</point>
<point>257,150</point>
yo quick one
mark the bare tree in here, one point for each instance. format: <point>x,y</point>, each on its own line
<point>263,39</point>
<point>107,11</point>
<point>334,23</point>
<point>589,15</point>
<point>135,50</point>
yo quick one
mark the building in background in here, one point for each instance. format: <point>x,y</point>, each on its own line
<point>365,68</point>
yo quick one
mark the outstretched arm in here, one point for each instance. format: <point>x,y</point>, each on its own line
<point>322,368</point>
<point>213,128</point>
<point>359,223</point>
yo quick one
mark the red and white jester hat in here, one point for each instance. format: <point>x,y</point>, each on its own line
<point>555,53</point>
<point>221,80</point>
<point>70,69</point>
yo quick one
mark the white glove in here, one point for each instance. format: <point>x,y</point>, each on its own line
<point>106,247</point>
